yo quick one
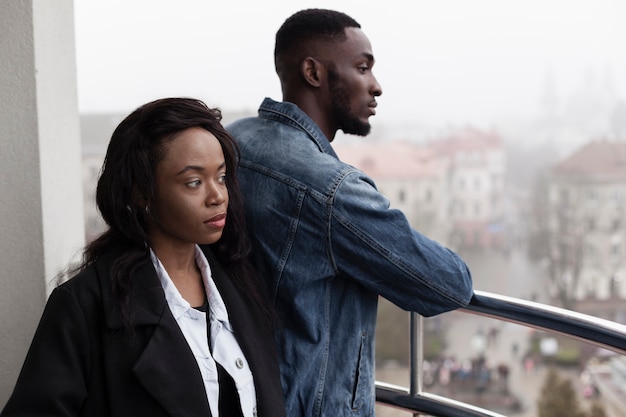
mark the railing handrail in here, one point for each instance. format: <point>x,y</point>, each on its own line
<point>426,403</point>
<point>600,332</point>
<point>604,333</point>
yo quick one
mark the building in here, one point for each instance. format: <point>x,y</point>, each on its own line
<point>451,190</point>
<point>586,227</point>
<point>476,166</point>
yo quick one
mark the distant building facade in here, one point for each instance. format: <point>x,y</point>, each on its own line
<point>451,190</point>
<point>587,225</point>
<point>476,171</point>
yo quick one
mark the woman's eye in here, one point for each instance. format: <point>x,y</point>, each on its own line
<point>222,178</point>
<point>194,183</point>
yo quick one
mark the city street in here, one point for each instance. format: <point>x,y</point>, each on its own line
<point>468,336</point>
<point>463,331</point>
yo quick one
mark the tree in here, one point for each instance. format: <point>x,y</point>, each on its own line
<point>597,410</point>
<point>558,398</point>
<point>557,237</point>
<point>566,249</point>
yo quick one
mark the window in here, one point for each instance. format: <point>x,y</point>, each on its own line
<point>591,224</point>
<point>616,196</point>
<point>592,196</point>
<point>616,251</point>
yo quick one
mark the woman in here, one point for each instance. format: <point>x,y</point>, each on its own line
<point>128,335</point>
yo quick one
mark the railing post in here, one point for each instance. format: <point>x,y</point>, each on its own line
<point>416,354</point>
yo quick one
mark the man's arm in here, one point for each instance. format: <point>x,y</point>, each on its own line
<point>377,247</point>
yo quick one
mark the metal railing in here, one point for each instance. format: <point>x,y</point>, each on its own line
<point>590,329</point>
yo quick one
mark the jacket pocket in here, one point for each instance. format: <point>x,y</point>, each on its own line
<point>357,383</point>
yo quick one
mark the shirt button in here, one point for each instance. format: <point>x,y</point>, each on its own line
<point>239,363</point>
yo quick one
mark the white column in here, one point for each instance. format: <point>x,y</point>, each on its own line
<point>41,214</point>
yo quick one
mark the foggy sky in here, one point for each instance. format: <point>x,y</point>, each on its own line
<point>443,61</point>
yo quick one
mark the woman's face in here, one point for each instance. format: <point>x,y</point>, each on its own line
<point>191,194</point>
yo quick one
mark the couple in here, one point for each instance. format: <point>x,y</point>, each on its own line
<point>200,299</point>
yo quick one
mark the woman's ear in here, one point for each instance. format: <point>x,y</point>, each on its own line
<point>141,203</point>
<point>312,71</point>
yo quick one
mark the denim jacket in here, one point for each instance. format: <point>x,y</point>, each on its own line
<point>328,244</point>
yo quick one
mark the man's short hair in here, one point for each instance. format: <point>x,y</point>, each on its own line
<point>311,24</point>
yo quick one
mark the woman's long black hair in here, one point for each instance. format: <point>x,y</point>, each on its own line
<point>127,186</point>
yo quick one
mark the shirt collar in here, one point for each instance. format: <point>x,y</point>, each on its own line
<point>178,305</point>
<point>216,303</point>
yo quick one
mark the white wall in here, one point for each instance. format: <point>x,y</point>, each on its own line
<point>41,215</point>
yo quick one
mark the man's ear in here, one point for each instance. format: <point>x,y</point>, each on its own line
<point>312,71</point>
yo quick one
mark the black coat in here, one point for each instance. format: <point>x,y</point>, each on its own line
<point>83,361</point>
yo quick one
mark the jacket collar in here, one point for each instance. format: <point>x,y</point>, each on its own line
<point>290,114</point>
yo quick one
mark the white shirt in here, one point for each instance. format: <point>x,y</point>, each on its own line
<point>224,347</point>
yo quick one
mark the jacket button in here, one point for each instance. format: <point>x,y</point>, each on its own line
<point>239,363</point>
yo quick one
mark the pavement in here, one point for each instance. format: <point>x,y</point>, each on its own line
<point>464,331</point>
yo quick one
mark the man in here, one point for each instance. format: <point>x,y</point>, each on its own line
<point>324,238</point>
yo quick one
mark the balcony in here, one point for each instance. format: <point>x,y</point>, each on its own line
<point>606,335</point>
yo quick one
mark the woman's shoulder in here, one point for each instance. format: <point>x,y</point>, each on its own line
<point>84,277</point>
<point>94,274</point>
<point>83,287</point>
<point>92,280</point>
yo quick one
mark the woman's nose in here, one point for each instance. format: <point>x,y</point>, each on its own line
<point>216,194</point>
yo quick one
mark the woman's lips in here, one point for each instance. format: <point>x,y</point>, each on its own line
<point>218,221</point>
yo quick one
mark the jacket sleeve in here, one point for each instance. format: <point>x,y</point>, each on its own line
<point>53,379</point>
<point>376,246</point>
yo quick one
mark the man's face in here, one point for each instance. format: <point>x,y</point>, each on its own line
<point>352,86</point>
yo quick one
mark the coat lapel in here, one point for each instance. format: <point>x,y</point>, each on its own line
<point>163,361</point>
<point>255,339</point>
<point>169,371</point>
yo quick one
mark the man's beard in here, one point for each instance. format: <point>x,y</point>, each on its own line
<point>346,120</point>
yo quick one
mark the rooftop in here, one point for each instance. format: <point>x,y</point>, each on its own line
<point>396,160</point>
<point>601,159</point>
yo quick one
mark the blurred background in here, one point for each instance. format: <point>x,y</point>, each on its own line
<point>501,133</point>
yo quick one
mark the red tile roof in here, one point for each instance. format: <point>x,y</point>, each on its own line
<point>596,160</point>
<point>396,160</point>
